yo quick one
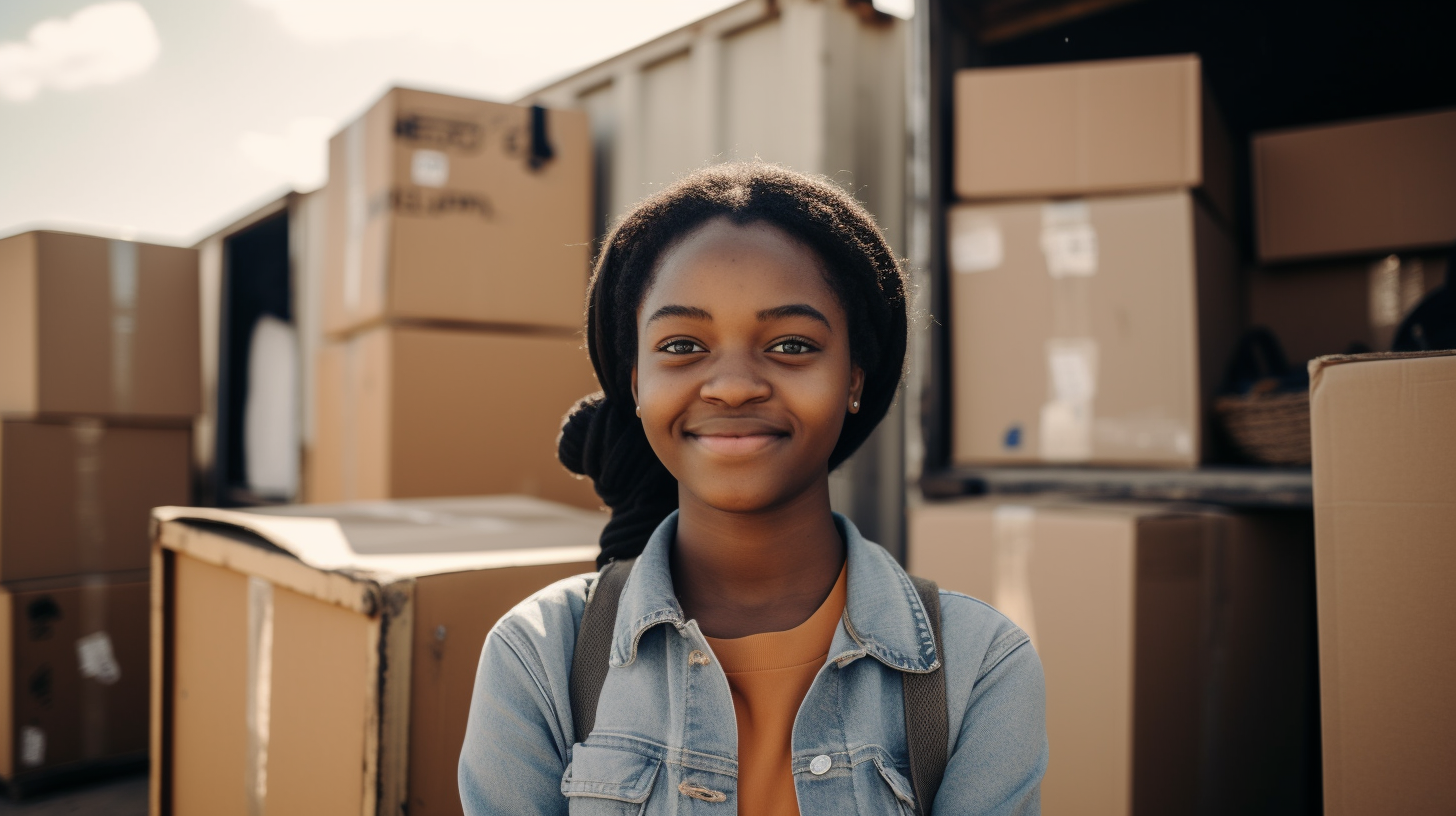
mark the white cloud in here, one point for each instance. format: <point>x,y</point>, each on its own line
<point>98,45</point>
<point>298,156</point>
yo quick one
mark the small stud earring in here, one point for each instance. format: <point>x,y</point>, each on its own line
<point>639,411</point>
<point>854,406</point>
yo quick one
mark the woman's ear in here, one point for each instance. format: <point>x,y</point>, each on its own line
<point>856,387</point>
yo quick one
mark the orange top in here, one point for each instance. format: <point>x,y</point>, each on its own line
<point>769,674</point>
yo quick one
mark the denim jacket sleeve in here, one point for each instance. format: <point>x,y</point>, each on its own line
<point>517,739</point>
<point>999,748</point>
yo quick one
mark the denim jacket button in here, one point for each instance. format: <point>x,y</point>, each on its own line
<point>698,658</point>
<point>819,765</point>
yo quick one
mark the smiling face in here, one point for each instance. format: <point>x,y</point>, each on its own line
<point>743,372</point>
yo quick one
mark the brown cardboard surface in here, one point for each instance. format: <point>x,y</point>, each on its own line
<point>1174,640</point>
<point>99,327</point>
<point>1356,187</point>
<point>407,412</point>
<point>1323,307</point>
<point>63,713</point>
<point>453,614</point>
<point>1384,448</point>
<point>1113,317</point>
<point>75,497</point>
<point>436,213</point>
<point>1088,128</point>
<point>331,730</point>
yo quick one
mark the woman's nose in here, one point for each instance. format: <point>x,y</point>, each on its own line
<point>735,382</point>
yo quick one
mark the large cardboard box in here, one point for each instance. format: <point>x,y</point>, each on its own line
<point>445,208</point>
<point>407,412</point>
<point>320,660</point>
<point>73,677</point>
<point>1385,524</point>
<point>1088,128</point>
<point>98,327</point>
<point>1356,187</point>
<point>1329,306</point>
<point>1093,330</point>
<point>1175,641</point>
<point>75,497</point>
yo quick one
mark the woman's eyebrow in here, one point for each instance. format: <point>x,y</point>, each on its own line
<point>795,310</point>
<point>680,311</point>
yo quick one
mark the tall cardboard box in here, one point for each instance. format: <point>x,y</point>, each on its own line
<point>320,660</point>
<point>1356,187</point>
<point>76,496</point>
<point>1385,523</point>
<point>73,677</point>
<point>453,209</point>
<point>96,326</point>
<point>1174,640</point>
<point>410,412</point>
<point>1090,330</point>
<point>1088,128</point>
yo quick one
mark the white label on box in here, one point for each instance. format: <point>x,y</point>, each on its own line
<point>430,168</point>
<point>32,746</point>
<point>1066,417</point>
<point>1011,527</point>
<point>98,660</point>
<point>1068,239</point>
<point>975,243</point>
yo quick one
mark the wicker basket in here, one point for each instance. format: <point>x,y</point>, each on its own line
<point>1268,426</point>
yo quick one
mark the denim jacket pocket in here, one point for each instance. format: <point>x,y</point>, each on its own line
<point>603,779</point>
<point>899,785</point>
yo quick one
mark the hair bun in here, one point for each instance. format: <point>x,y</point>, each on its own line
<point>571,445</point>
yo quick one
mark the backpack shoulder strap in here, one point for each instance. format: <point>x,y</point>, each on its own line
<point>594,644</point>
<point>927,722</point>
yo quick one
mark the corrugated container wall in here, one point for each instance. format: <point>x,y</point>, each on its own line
<point>816,85</point>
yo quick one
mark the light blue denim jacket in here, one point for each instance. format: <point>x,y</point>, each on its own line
<point>665,722</point>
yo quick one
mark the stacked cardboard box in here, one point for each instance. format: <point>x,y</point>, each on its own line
<point>1354,222</point>
<point>1179,667</point>
<point>454,283</point>
<point>1385,512</point>
<point>318,659</point>
<point>98,386</point>
<point>1094,296</point>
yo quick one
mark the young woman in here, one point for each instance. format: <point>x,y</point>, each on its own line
<point>748,329</point>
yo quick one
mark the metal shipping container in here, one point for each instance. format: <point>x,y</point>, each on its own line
<point>816,85</point>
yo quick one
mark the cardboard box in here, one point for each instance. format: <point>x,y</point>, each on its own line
<point>73,677</point>
<point>406,412</point>
<point>75,496</point>
<point>1381,185</point>
<point>98,327</point>
<point>1089,128</point>
<point>321,659</point>
<point>1325,307</point>
<point>1093,331</point>
<point>444,208</point>
<point>1385,511</point>
<point>1175,642</point>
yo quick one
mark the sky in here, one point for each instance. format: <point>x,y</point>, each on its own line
<point>164,120</point>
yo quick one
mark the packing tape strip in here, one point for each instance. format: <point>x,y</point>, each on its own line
<point>356,215</point>
<point>124,284</point>
<point>96,662</point>
<point>1065,432</point>
<point>1012,535</point>
<point>88,435</point>
<point>260,691</point>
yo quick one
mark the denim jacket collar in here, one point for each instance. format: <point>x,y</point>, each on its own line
<point>883,615</point>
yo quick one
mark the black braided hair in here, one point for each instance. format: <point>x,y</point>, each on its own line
<point>602,437</point>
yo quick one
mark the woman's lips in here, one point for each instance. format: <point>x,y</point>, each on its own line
<point>744,445</point>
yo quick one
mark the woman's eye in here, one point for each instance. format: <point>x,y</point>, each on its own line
<point>680,347</point>
<point>792,347</point>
